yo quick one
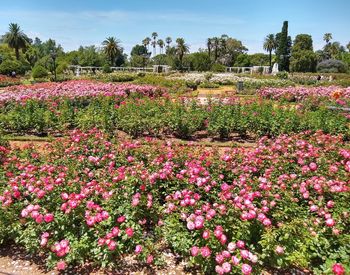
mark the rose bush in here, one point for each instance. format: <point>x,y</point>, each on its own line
<point>282,204</point>
<point>300,93</point>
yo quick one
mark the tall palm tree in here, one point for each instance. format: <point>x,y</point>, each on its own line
<point>168,41</point>
<point>270,44</point>
<point>160,43</point>
<point>16,39</point>
<point>209,46</point>
<point>216,44</point>
<point>181,49</point>
<point>146,42</point>
<point>154,43</point>
<point>327,37</point>
<point>112,49</point>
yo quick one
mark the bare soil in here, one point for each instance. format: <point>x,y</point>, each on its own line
<point>14,260</point>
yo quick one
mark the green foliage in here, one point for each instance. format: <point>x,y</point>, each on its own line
<point>39,72</point>
<point>9,66</point>
<point>201,61</point>
<point>174,86</point>
<point>209,85</point>
<point>106,69</point>
<point>218,68</point>
<point>282,75</point>
<point>283,48</point>
<point>332,66</point>
<point>243,60</point>
<point>303,61</point>
<point>259,59</point>
<point>139,117</point>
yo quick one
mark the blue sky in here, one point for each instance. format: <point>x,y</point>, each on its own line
<point>85,22</point>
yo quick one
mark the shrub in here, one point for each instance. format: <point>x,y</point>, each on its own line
<point>209,85</point>
<point>106,69</point>
<point>62,67</point>
<point>332,66</point>
<point>218,68</point>
<point>282,75</point>
<point>121,77</point>
<point>9,66</point>
<point>39,72</point>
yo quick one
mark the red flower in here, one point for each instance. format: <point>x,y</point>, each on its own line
<point>338,269</point>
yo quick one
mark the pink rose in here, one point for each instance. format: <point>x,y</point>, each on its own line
<point>226,267</point>
<point>138,249</point>
<point>129,231</point>
<point>338,269</point>
<point>48,218</point>
<point>205,251</point>
<point>246,269</point>
<point>121,219</point>
<point>330,222</point>
<point>194,251</point>
<point>279,249</point>
<point>149,259</point>
<point>61,265</point>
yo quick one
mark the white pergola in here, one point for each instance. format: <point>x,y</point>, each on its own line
<point>251,70</point>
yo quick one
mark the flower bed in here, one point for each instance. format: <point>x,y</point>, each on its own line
<point>300,93</point>
<point>282,204</point>
<point>232,79</point>
<point>8,81</point>
<point>75,89</point>
<point>163,117</point>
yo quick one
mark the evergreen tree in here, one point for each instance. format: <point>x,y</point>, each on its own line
<point>283,48</point>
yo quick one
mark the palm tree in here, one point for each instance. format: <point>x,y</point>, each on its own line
<point>112,49</point>
<point>209,46</point>
<point>270,44</point>
<point>327,37</point>
<point>16,39</point>
<point>181,49</point>
<point>334,49</point>
<point>154,43</point>
<point>160,43</point>
<point>146,42</point>
<point>168,41</point>
<point>216,44</point>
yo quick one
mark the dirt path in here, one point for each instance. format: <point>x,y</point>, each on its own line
<point>15,261</point>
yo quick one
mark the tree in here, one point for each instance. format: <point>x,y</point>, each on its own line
<point>283,48</point>
<point>112,49</point>
<point>16,39</point>
<point>303,61</point>
<point>303,42</point>
<point>138,50</point>
<point>181,49</point>
<point>327,37</point>
<point>146,42</point>
<point>348,46</point>
<point>270,45</point>
<point>303,58</point>
<point>209,46</point>
<point>168,41</point>
<point>139,56</point>
<point>335,50</point>
<point>154,42</point>
<point>259,59</point>
<point>233,48</point>
<point>201,61</point>
<point>32,55</point>
<point>216,45</point>
<point>160,43</point>
<point>242,60</point>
